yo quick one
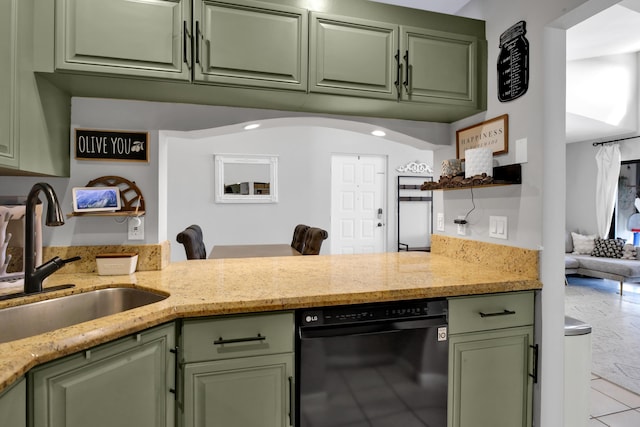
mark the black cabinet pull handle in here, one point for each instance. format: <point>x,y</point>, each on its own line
<point>197,35</point>
<point>534,375</point>
<point>291,407</point>
<point>398,73</point>
<point>406,71</point>
<point>176,382</point>
<point>221,340</point>
<point>185,48</point>
<point>499,313</point>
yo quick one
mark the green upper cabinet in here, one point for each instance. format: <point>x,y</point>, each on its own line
<point>136,38</point>
<point>34,114</point>
<point>350,56</point>
<point>8,82</point>
<point>249,43</point>
<point>439,67</point>
<point>354,57</point>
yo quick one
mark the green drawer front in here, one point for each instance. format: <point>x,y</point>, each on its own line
<point>237,336</point>
<point>481,313</point>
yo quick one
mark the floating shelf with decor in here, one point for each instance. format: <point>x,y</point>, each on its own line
<point>132,202</point>
<point>502,175</point>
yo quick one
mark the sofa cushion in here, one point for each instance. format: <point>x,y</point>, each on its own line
<point>621,267</point>
<point>608,248</point>
<point>568,243</point>
<point>570,263</point>
<point>629,252</point>
<point>583,244</point>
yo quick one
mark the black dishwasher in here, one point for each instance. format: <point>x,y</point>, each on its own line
<point>373,365</point>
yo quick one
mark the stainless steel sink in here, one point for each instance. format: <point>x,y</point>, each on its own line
<point>35,318</point>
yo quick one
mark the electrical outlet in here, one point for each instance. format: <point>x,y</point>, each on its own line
<point>440,222</point>
<point>135,227</point>
<point>462,228</point>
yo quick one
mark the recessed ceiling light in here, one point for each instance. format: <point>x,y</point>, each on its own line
<point>252,126</point>
<point>378,133</point>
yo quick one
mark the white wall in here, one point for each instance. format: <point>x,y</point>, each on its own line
<point>304,173</point>
<point>602,96</point>
<point>538,116</point>
<point>153,117</point>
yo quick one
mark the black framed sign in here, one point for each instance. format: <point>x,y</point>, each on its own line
<point>93,144</point>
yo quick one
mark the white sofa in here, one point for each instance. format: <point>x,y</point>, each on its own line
<point>621,270</point>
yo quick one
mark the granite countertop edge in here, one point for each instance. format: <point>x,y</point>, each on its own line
<point>223,287</point>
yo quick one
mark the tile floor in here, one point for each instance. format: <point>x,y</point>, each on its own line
<point>616,367</point>
<point>612,405</point>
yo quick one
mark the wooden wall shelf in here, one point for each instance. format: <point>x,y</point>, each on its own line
<point>118,213</point>
<point>502,175</point>
<point>130,195</point>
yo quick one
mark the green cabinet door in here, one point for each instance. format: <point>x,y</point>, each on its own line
<point>351,56</point>
<point>139,38</point>
<point>489,383</point>
<point>243,392</point>
<point>13,405</point>
<point>34,115</point>
<point>439,67</point>
<point>125,383</point>
<point>247,43</point>
<point>8,82</point>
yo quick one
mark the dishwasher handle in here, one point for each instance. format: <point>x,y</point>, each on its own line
<point>369,328</point>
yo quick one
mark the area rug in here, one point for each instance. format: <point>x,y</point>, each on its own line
<point>615,322</point>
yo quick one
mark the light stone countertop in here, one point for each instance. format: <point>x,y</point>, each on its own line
<point>246,285</point>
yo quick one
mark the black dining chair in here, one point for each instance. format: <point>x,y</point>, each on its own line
<point>313,241</point>
<point>299,234</point>
<point>191,238</point>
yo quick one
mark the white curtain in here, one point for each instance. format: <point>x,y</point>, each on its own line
<point>608,160</point>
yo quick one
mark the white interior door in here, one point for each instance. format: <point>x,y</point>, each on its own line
<point>358,204</point>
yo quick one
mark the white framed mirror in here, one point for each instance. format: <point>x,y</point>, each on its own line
<point>246,178</point>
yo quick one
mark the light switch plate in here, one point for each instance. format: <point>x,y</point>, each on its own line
<point>498,227</point>
<point>521,150</point>
<point>440,222</point>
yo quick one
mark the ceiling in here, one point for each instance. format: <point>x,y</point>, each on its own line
<point>614,31</point>
<point>443,6</point>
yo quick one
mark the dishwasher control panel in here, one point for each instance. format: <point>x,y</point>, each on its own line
<point>373,312</point>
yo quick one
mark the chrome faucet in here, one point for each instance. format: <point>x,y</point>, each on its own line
<point>34,276</point>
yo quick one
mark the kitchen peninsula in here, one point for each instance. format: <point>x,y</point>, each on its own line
<point>456,267</point>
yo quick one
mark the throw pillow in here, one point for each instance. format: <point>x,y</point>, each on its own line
<point>608,248</point>
<point>629,251</point>
<point>583,245</point>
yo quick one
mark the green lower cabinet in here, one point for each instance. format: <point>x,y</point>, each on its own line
<point>489,383</point>
<point>125,383</point>
<point>245,392</point>
<point>13,405</point>
<point>491,359</point>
